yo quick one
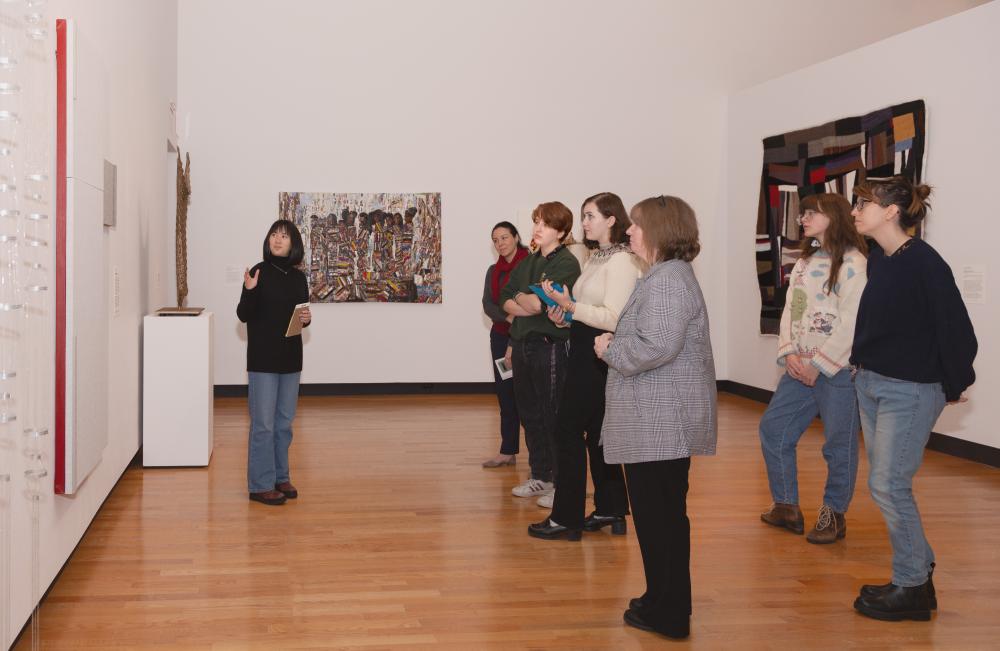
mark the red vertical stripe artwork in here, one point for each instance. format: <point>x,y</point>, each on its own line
<point>60,343</point>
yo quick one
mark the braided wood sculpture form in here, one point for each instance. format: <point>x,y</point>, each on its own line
<point>183,199</point>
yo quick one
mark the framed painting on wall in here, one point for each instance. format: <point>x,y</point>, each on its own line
<point>369,247</point>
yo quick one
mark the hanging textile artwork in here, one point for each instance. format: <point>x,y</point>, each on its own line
<point>831,158</point>
<point>371,247</point>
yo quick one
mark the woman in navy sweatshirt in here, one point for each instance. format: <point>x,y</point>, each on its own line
<point>271,290</point>
<point>913,346</point>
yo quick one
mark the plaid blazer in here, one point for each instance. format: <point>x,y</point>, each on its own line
<point>661,395</point>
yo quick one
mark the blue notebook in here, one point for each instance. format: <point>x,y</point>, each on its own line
<point>567,316</point>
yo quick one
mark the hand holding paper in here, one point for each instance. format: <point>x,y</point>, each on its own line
<point>296,321</point>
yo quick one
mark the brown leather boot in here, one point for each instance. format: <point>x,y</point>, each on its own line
<point>271,498</point>
<point>830,527</point>
<point>788,516</point>
<point>286,489</point>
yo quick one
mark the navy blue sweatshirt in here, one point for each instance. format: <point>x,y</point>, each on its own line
<point>912,323</point>
<point>266,310</point>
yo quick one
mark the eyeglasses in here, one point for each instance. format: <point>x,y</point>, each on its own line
<point>807,216</point>
<point>861,202</point>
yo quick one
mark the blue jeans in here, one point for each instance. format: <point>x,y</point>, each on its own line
<point>793,408</point>
<point>272,399</point>
<point>897,417</point>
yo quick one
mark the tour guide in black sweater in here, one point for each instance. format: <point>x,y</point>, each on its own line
<point>912,324</point>
<point>266,310</point>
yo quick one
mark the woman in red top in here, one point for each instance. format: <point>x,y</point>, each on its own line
<point>508,245</point>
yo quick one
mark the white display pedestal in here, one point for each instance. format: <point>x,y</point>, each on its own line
<point>177,390</point>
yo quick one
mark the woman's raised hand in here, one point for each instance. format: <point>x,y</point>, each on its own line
<point>250,281</point>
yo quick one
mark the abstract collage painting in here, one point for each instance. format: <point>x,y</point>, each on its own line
<point>369,247</point>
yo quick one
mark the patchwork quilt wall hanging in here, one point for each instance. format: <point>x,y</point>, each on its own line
<point>833,157</point>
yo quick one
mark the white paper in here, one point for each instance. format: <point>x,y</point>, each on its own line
<point>974,283</point>
<point>505,371</point>
<point>234,274</point>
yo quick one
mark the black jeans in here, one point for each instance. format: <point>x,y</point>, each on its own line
<point>539,366</point>
<point>658,493</point>
<point>510,425</point>
<point>578,431</point>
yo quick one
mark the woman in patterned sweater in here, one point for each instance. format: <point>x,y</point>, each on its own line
<point>814,346</point>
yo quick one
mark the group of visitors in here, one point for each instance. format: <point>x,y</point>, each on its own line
<point>612,362</point>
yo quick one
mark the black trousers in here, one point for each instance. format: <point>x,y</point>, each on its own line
<point>539,367</point>
<point>578,432</point>
<point>658,493</point>
<point>510,424</point>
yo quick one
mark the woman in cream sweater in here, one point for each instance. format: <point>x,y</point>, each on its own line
<point>603,288</point>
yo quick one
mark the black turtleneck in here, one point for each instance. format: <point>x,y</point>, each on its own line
<point>266,310</point>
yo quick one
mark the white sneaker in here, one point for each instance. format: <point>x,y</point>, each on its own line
<point>533,488</point>
<point>545,501</point>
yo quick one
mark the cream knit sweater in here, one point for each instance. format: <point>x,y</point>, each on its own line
<point>817,325</point>
<point>605,285</point>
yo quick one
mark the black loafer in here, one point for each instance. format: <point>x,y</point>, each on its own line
<point>595,522</point>
<point>636,604</point>
<point>632,618</point>
<point>679,631</point>
<point>549,531</point>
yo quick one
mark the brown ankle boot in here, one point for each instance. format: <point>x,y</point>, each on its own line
<point>788,516</point>
<point>830,527</point>
<point>286,489</point>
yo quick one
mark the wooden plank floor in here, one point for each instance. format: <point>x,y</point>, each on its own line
<point>401,541</point>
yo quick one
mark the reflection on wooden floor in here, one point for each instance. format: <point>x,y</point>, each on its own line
<point>401,541</point>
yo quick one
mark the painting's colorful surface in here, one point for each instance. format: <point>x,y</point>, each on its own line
<point>378,247</point>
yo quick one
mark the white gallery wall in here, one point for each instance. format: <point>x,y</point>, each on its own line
<point>131,45</point>
<point>498,106</point>
<point>951,64</point>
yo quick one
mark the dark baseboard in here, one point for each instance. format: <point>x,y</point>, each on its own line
<point>964,449</point>
<point>744,391</point>
<point>950,445</point>
<point>370,389</point>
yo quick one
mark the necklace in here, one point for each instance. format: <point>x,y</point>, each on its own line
<point>609,251</point>
<point>902,247</point>
<point>284,271</point>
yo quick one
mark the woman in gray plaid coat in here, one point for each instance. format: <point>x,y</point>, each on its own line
<point>661,405</point>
